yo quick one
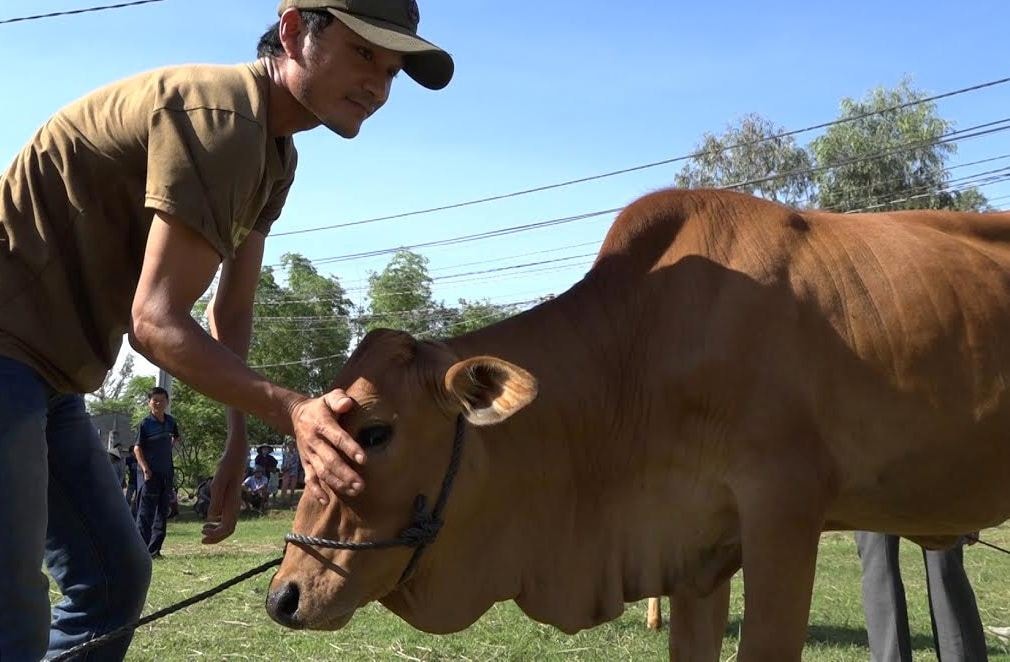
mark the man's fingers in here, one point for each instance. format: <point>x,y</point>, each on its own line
<point>332,469</point>
<point>338,401</point>
<point>312,488</point>
<point>222,515</point>
<point>326,446</point>
<point>337,438</point>
<point>217,499</point>
<point>314,491</point>
<point>215,532</point>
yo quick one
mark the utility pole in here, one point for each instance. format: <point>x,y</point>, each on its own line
<point>165,382</point>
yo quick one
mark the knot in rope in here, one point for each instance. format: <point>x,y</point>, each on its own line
<point>424,527</point>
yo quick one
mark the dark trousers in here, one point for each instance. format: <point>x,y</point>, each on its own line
<point>957,628</point>
<point>132,478</point>
<point>152,511</point>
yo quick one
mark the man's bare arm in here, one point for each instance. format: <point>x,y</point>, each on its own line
<point>178,267</point>
<point>230,312</point>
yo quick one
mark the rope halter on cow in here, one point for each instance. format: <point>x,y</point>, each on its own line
<point>423,528</point>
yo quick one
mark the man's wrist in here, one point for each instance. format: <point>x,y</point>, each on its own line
<point>287,401</point>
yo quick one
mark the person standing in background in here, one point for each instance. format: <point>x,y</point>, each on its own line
<point>156,438</point>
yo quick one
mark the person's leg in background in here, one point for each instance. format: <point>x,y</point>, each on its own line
<point>132,487</point>
<point>159,526</point>
<point>149,495</point>
<point>884,598</point>
<point>957,627</point>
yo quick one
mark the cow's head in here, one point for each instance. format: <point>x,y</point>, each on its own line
<point>409,395</point>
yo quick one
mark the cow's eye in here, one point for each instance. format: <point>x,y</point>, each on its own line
<point>374,436</point>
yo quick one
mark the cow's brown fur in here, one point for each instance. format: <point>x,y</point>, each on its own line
<point>730,378</point>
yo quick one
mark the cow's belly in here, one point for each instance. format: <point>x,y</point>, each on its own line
<point>916,481</point>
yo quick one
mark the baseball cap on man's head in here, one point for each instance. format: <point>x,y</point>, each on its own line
<point>391,24</point>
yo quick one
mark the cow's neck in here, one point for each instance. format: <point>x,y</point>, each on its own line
<point>552,480</point>
<point>575,352</point>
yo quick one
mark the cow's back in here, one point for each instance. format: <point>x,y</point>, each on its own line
<point>874,342</point>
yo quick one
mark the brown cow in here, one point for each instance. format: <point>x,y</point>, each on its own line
<point>730,378</point>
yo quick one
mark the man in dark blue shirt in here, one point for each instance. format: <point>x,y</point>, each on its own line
<point>156,438</point>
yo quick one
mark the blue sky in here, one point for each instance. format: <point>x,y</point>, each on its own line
<point>544,92</point>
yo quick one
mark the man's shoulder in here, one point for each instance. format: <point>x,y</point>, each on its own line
<point>239,89</point>
<point>144,427</point>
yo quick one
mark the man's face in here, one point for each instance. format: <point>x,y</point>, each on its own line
<point>341,78</point>
<point>157,403</point>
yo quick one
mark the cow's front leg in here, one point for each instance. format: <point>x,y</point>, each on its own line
<point>781,519</point>
<point>698,625</point>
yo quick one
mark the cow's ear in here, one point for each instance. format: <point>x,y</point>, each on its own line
<point>488,389</point>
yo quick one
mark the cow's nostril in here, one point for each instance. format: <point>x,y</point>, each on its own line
<point>282,605</point>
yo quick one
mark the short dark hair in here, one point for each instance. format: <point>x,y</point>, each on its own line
<point>157,390</point>
<point>270,43</point>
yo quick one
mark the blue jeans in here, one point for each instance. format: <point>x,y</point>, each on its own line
<point>62,507</point>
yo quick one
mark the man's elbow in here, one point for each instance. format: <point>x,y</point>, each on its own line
<point>146,324</point>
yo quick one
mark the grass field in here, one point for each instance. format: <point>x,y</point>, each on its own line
<point>234,624</point>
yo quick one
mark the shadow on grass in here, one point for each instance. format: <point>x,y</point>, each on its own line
<point>835,635</point>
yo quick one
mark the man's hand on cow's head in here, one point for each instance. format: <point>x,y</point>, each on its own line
<point>327,451</point>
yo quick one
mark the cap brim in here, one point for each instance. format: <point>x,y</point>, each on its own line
<point>423,61</point>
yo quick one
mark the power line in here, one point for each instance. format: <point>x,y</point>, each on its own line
<point>963,182</point>
<point>984,129</point>
<point>394,314</point>
<point>299,362</point>
<point>978,130</point>
<point>686,157</point>
<point>900,177</point>
<point>336,356</point>
<point>975,180</point>
<point>469,237</point>
<point>21,19</point>
<point>988,181</point>
<point>409,311</point>
<point>331,299</point>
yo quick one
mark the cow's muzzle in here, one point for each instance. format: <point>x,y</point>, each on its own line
<point>282,605</point>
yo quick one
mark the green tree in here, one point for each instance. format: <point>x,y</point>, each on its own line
<point>301,335</point>
<point>473,315</point>
<point>122,392</point>
<point>203,429</point>
<point>400,298</point>
<point>750,165</point>
<point>888,160</point>
<point>112,388</point>
<point>303,329</point>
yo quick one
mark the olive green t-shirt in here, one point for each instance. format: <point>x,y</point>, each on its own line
<point>76,205</point>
